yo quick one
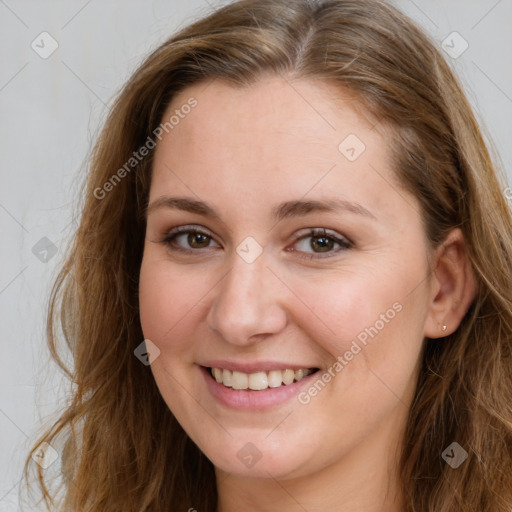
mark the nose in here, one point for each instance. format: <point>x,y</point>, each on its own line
<point>247,306</point>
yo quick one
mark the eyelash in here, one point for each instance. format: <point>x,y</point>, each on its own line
<point>343,242</point>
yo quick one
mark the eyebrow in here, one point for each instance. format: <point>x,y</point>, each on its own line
<point>297,208</point>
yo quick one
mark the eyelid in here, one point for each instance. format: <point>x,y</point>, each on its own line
<point>317,232</point>
<point>184,228</point>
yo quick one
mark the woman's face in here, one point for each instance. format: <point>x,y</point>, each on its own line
<point>278,239</point>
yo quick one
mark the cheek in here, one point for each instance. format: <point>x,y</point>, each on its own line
<point>373,320</point>
<point>169,307</point>
<point>342,306</point>
<point>169,302</point>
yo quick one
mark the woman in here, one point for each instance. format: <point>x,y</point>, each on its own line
<point>292,205</point>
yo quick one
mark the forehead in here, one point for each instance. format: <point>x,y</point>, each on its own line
<point>274,140</point>
<point>271,111</point>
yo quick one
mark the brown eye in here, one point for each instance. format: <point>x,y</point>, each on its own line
<point>321,243</point>
<point>198,240</point>
<point>188,239</point>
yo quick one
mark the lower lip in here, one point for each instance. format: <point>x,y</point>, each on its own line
<point>253,400</point>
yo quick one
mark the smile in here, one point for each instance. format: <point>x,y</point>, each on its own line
<point>259,381</point>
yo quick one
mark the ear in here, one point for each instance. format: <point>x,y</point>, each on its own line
<point>453,286</point>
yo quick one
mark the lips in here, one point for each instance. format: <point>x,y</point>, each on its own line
<point>246,398</point>
<point>260,380</point>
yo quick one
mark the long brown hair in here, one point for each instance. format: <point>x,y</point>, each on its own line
<point>122,449</point>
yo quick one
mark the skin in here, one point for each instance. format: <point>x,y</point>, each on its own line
<point>243,151</point>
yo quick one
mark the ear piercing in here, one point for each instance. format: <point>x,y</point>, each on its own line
<point>444,328</point>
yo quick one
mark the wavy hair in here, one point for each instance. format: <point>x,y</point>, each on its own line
<point>122,448</point>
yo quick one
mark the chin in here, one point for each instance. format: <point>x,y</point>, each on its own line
<point>258,456</point>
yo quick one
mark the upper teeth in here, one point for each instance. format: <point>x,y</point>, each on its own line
<point>259,380</point>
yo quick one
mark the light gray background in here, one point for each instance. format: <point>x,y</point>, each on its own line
<point>50,112</point>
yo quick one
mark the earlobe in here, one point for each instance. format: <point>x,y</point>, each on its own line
<point>453,286</point>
